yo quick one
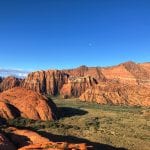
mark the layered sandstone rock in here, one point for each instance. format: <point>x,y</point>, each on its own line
<point>74,82</point>
<point>46,82</point>
<point>117,94</point>
<point>76,86</point>
<point>29,140</point>
<point>8,111</point>
<point>9,82</point>
<point>84,71</point>
<point>53,82</point>
<point>146,66</point>
<point>5,144</point>
<point>26,103</point>
<point>23,137</point>
<point>128,73</point>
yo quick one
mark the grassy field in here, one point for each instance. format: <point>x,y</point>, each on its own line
<point>103,126</point>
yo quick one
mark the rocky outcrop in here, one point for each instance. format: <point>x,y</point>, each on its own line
<point>46,82</point>
<point>5,144</point>
<point>76,86</point>
<point>8,111</point>
<point>117,94</point>
<point>56,146</point>
<point>9,82</point>
<point>29,140</point>
<point>53,82</point>
<point>74,82</point>
<point>26,103</point>
<point>146,66</point>
<point>83,71</point>
<point>128,73</point>
<point>141,75</point>
<point>23,137</point>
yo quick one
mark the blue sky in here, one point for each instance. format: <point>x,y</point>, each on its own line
<point>43,34</point>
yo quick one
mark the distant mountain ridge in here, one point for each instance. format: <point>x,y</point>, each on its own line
<point>13,72</point>
<point>126,84</point>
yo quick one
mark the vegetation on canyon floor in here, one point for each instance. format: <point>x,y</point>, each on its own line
<point>119,126</point>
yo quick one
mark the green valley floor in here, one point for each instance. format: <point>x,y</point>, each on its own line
<point>100,125</point>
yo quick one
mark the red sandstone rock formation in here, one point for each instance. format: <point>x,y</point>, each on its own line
<point>74,82</point>
<point>83,71</point>
<point>8,111</point>
<point>26,103</point>
<point>9,82</point>
<point>29,140</point>
<point>23,137</point>
<point>56,146</point>
<point>129,73</point>
<point>76,86</point>
<point>47,82</point>
<point>117,94</point>
<point>146,66</point>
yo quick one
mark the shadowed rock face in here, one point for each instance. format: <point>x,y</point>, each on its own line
<point>5,144</point>
<point>117,94</point>
<point>26,103</point>
<point>8,83</point>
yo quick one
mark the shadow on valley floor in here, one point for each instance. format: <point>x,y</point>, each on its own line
<point>69,112</point>
<point>73,139</point>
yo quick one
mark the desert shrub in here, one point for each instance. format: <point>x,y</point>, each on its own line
<point>20,122</point>
<point>92,122</point>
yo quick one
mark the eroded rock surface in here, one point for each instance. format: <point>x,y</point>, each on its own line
<point>9,82</point>
<point>76,86</point>
<point>30,140</point>
<point>117,94</point>
<point>26,103</point>
<point>46,82</point>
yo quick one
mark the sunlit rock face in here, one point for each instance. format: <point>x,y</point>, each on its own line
<point>129,73</point>
<point>75,82</point>
<point>53,82</point>
<point>25,139</point>
<point>118,94</point>
<point>20,102</point>
<point>46,82</point>
<point>9,82</point>
<point>76,86</point>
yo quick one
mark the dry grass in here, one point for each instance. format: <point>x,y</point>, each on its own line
<point>119,126</point>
